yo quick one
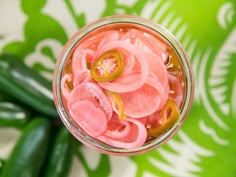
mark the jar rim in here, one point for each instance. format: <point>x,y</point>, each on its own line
<point>115,19</point>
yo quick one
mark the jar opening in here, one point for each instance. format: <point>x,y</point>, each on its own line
<point>123,73</point>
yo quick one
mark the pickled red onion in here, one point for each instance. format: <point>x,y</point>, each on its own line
<point>135,139</point>
<point>64,87</point>
<point>141,102</point>
<point>93,93</point>
<point>89,117</point>
<point>142,87</point>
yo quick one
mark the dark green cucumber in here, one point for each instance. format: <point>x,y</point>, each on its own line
<point>4,96</point>
<point>1,165</point>
<point>12,114</point>
<point>60,159</point>
<point>26,85</point>
<point>30,150</point>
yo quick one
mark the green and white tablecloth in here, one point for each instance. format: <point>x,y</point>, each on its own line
<point>206,144</point>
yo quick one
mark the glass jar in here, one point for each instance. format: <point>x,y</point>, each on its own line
<point>176,63</point>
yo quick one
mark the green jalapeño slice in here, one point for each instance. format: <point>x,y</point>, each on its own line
<point>107,67</point>
<point>169,115</point>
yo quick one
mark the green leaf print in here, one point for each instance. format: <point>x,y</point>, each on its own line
<point>219,121</point>
<point>114,7</point>
<point>103,167</point>
<point>79,19</point>
<point>210,140</point>
<point>38,26</point>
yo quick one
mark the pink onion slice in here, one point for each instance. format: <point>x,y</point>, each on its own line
<point>141,102</point>
<point>117,129</point>
<point>112,36</point>
<point>81,57</point>
<point>157,68</point>
<point>146,42</point>
<point>85,50</point>
<point>135,139</point>
<point>64,87</point>
<point>90,118</point>
<point>81,76</point>
<point>163,90</point>
<point>93,93</point>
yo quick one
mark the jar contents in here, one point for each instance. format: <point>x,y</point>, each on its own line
<point>123,86</point>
